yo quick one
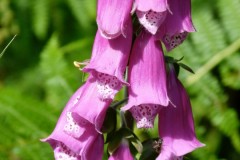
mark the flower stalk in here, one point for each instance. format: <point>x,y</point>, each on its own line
<point>129,53</point>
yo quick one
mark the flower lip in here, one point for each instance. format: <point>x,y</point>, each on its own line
<point>154,5</point>
<point>108,35</point>
<point>145,114</point>
<point>151,20</point>
<point>95,72</point>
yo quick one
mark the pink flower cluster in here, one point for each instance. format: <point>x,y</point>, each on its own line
<point>153,86</point>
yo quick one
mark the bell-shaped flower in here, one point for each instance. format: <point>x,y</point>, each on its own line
<point>176,125</point>
<point>147,76</point>
<point>177,24</point>
<point>112,16</point>
<point>122,152</point>
<point>90,105</point>
<point>74,138</point>
<point>151,14</point>
<point>108,62</point>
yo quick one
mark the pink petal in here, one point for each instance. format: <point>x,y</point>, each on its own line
<point>72,133</point>
<point>61,152</point>
<point>122,153</point>
<point>112,16</point>
<point>151,14</point>
<point>151,20</point>
<point>176,125</point>
<point>110,56</point>
<point>177,24</point>
<point>91,105</point>
<point>145,114</point>
<point>94,149</point>
<point>154,5</point>
<point>147,74</point>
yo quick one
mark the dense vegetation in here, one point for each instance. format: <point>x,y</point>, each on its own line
<point>37,75</point>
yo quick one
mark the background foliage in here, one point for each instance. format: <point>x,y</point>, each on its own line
<point>37,76</point>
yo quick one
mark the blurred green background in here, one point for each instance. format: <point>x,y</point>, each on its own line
<point>37,75</point>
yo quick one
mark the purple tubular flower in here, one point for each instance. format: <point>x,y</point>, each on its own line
<point>177,24</point>
<point>74,138</point>
<point>107,66</point>
<point>122,153</point>
<point>110,57</point>
<point>176,125</point>
<point>151,14</point>
<point>147,76</point>
<point>90,105</point>
<point>112,16</point>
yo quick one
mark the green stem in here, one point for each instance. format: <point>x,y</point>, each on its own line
<point>7,46</point>
<point>123,120</point>
<point>115,105</point>
<point>213,62</point>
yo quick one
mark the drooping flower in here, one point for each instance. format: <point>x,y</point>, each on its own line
<point>111,56</point>
<point>74,137</point>
<point>151,14</point>
<point>176,125</point>
<point>177,24</point>
<point>91,105</point>
<point>112,16</point>
<point>122,153</point>
<point>147,76</point>
<point>107,66</point>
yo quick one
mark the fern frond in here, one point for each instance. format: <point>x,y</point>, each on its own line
<point>230,17</point>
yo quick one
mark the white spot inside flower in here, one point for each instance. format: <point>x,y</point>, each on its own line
<point>72,128</point>
<point>62,152</point>
<point>145,114</point>
<point>107,86</point>
<point>76,100</point>
<point>151,20</point>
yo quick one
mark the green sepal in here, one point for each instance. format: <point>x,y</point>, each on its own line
<point>116,104</point>
<point>184,66</point>
<point>169,59</point>
<point>128,134</point>
<point>129,119</point>
<point>114,139</point>
<point>177,64</point>
<point>114,143</point>
<point>148,152</point>
<point>110,121</point>
<point>176,68</point>
<point>137,144</point>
